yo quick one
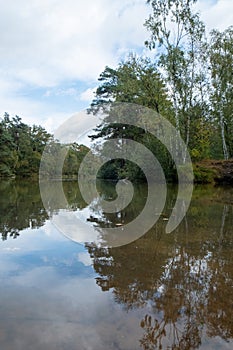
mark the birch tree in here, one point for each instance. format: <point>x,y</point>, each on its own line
<point>221,67</point>
<point>179,35</point>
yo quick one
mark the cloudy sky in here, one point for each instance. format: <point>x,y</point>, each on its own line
<point>52,51</point>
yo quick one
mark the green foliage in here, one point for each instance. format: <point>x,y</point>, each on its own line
<point>201,132</point>
<point>186,175</point>
<point>221,97</point>
<point>8,155</point>
<point>134,81</point>
<point>203,175</point>
<point>180,33</point>
<point>73,159</point>
<point>198,73</point>
<point>21,147</point>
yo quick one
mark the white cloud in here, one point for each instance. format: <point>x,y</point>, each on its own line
<point>48,45</point>
<point>14,249</point>
<point>45,42</point>
<point>88,95</point>
<point>62,92</point>
<point>33,111</point>
<point>51,121</point>
<point>216,14</point>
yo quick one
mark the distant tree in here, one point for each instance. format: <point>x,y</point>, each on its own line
<point>73,159</point>
<point>21,147</point>
<point>8,154</point>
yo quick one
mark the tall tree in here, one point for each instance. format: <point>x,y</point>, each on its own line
<point>135,81</point>
<point>221,67</point>
<point>180,35</point>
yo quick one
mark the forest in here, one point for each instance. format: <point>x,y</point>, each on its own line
<point>189,81</point>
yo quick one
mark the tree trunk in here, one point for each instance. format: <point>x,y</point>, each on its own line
<point>224,145</point>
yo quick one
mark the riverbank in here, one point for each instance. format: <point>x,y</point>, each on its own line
<point>209,171</point>
<point>219,172</point>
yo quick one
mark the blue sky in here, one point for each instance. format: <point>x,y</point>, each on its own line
<point>52,51</point>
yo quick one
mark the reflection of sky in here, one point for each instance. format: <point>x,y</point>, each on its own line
<point>49,298</point>
<point>42,248</point>
<point>75,226</point>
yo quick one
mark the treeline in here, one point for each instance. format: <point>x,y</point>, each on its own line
<point>189,82</point>
<point>22,146</point>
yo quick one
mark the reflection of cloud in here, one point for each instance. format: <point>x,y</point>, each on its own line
<point>15,249</point>
<point>43,238</point>
<point>85,259</point>
<point>53,311</point>
<point>75,229</point>
<point>48,313</point>
<point>51,231</point>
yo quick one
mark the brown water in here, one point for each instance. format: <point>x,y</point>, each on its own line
<point>163,291</point>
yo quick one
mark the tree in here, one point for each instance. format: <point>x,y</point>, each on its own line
<point>221,67</point>
<point>8,156</point>
<point>180,36</point>
<point>21,147</point>
<point>74,157</point>
<point>135,81</point>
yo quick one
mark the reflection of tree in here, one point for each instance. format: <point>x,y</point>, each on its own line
<point>134,270</point>
<point>155,331</point>
<point>21,207</point>
<point>220,303</point>
<point>184,279</point>
<point>122,270</point>
<point>73,195</point>
<point>179,302</point>
<point>107,191</point>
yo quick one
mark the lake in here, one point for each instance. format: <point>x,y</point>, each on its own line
<point>162,291</point>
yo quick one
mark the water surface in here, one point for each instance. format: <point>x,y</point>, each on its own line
<point>163,291</point>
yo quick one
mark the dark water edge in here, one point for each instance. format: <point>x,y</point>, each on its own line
<point>168,291</point>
